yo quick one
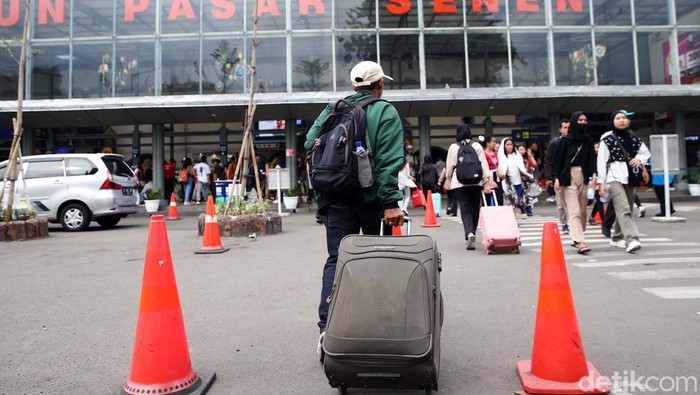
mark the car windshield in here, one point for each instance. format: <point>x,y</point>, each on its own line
<point>117,166</point>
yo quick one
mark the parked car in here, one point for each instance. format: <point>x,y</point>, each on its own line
<point>74,189</point>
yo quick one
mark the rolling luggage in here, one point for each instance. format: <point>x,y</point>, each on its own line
<point>385,314</point>
<point>437,203</point>
<point>499,228</point>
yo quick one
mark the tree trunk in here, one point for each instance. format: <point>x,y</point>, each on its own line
<point>17,122</point>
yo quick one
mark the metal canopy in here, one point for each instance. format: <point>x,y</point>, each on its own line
<point>409,103</point>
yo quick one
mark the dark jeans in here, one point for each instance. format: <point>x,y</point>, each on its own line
<point>469,199</point>
<point>597,206</point>
<point>451,202</point>
<point>659,192</point>
<point>341,220</point>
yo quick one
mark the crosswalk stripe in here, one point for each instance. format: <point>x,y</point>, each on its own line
<point>599,241</point>
<point>576,256</point>
<point>643,253</point>
<point>636,262</point>
<point>675,292</point>
<point>664,274</point>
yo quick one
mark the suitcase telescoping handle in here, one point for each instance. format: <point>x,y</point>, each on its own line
<point>406,219</point>
<point>493,199</point>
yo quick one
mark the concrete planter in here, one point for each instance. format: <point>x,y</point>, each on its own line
<point>24,230</point>
<point>244,225</point>
<point>694,189</point>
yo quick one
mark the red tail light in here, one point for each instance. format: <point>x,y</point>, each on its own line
<point>109,184</point>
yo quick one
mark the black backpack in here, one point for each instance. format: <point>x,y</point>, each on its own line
<point>332,164</point>
<point>468,165</point>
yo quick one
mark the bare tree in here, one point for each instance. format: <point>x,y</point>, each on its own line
<point>247,147</point>
<point>11,172</point>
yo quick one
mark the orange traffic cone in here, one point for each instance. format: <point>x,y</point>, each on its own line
<point>396,231</point>
<point>172,211</point>
<point>597,218</point>
<point>558,364</point>
<point>429,221</point>
<point>211,243</point>
<point>161,360</point>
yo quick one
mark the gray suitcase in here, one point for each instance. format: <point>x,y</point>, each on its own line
<point>385,314</point>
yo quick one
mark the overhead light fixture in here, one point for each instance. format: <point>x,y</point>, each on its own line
<point>65,57</point>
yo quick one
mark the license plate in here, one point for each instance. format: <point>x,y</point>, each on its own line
<point>127,191</point>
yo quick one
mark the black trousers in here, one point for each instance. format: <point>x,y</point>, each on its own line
<point>469,199</point>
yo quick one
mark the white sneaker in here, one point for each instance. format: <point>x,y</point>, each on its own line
<point>319,347</point>
<point>618,244</point>
<point>642,212</point>
<point>471,242</point>
<point>551,199</point>
<point>634,246</point>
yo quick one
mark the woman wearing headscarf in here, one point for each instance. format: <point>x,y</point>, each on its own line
<point>574,164</point>
<point>510,163</point>
<point>621,159</point>
<point>468,196</point>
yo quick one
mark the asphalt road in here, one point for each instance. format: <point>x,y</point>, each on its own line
<point>70,304</point>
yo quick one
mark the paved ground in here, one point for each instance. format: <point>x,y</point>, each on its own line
<point>70,303</point>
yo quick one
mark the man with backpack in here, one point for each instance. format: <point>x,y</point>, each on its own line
<point>341,139</point>
<point>468,171</point>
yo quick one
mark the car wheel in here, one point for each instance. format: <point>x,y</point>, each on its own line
<point>75,217</point>
<point>109,221</point>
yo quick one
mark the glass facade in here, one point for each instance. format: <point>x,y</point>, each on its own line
<point>115,48</point>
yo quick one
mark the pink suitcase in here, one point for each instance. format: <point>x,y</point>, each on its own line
<point>499,229</point>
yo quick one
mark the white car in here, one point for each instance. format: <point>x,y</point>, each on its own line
<point>74,189</point>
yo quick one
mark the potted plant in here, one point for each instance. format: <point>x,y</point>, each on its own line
<point>694,182</point>
<point>291,197</point>
<point>152,200</point>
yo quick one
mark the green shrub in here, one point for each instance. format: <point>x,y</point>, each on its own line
<point>154,193</point>
<point>694,176</point>
<point>294,191</point>
<point>241,207</point>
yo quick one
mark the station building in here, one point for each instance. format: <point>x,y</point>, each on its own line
<point>169,78</point>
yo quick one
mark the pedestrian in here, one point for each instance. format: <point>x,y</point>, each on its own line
<point>574,165</point>
<point>510,163</point>
<point>406,182</point>
<point>491,154</point>
<point>412,161</point>
<point>468,196</point>
<point>350,213</point>
<point>657,181</point>
<point>202,171</point>
<point>186,178</point>
<point>169,177</point>
<point>621,159</point>
<point>598,206</point>
<point>549,181</point>
<point>531,189</point>
<point>428,176</point>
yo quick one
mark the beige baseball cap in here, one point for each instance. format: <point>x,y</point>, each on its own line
<point>365,73</point>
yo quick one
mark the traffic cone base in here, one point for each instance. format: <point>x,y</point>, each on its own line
<point>203,381</point>
<point>594,383</point>
<point>172,210</point>
<point>429,221</point>
<point>211,242</point>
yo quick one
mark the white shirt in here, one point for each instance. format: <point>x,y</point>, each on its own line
<point>513,166</point>
<point>202,170</point>
<point>617,171</point>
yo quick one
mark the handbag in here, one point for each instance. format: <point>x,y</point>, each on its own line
<point>417,198</point>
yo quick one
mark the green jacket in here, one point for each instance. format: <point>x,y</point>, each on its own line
<point>385,134</point>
